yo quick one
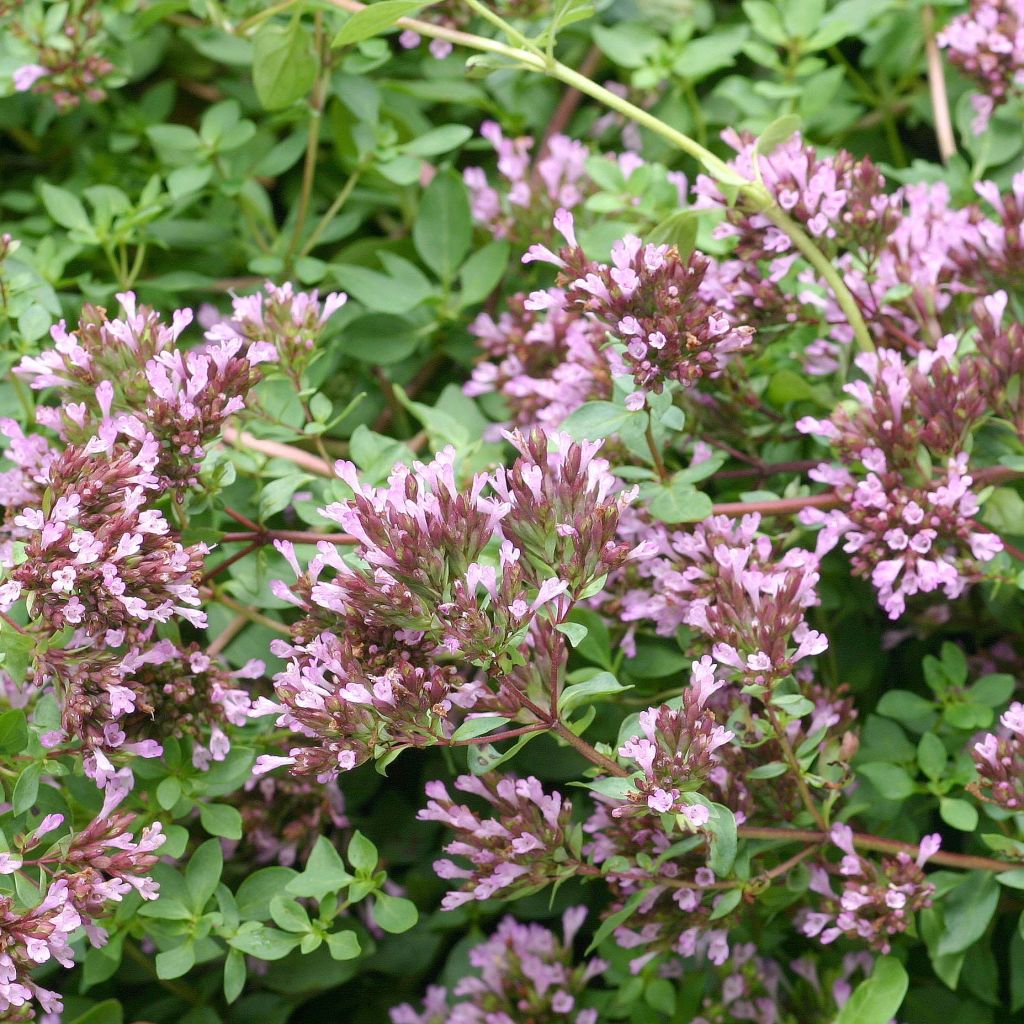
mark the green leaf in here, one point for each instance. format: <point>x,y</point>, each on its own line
<point>234,975</point>
<point>376,18</point>
<point>679,502</point>
<point>109,1011</point>
<point>482,272</point>
<point>173,963</point>
<point>441,139</point>
<point>959,814</point>
<point>203,872</point>
<point>289,914</point>
<point>168,792</point>
<point>325,873</point>
<point>595,420</point>
<point>473,727</point>
<point>13,731</point>
<point>931,755</point>
<point>904,705</point>
<point>379,338</point>
<point>343,945</point>
<point>601,685</point>
<point>678,229</point>
<point>795,705</point>
<point>721,829</point>
<point>65,208</point>
<point>876,999</point>
<point>967,911</point>
<point>264,943</point>
<point>1013,879</point>
<point>574,632</point>
<point>393,913</point>
<point>284,65</point>
<point>255,893</point>
<point>221,820</point>
<point>892,781</point>
<point>361,853</point>
<point>778,131</point>
<point>444,227</point>
<point>26,789</point>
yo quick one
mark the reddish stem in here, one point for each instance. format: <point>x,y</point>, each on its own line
<point>260,536</point>
<point>777,506</point>
<point>965,861</point>
<point>497,737</point>
<point>236,557</point>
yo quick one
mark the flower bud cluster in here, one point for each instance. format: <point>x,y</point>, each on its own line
<point>523,972</point>
<point>650,299</point>
<point>130,376</point>
<point>987,44</point>
<point>526,841</point>
<point>877,901</point>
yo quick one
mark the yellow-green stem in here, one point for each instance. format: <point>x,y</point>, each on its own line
<point>751,191</point>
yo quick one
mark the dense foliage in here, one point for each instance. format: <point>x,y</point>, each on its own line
<point>512,511</point>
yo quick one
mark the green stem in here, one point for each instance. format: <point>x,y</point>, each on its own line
<point>316,105</point>
<point>751,191</point>
<point>659,462</point>
<point>332,212</point>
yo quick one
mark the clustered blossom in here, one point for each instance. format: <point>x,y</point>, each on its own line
<point>128,702</point>
<point>877,900</point>
<point>523,844</point>
<point>291,320</point>
<point>725,579</point>
<point>97,866</point>
<point>559,179</point>
<point>544,363</point>
<point>999,760</point>
<point>283,817</point>
<point>69,65</point>
<point>369,668</point>
<point>526,973</point>
<point>99,559</point>
<point>674,915</point>
<point>909,529</point>
<point>760,989</point>
<point>650,299</point>
<point>130,376</point>
<point>839,199</point>
<point>987,44</point>
<point>676,750</point>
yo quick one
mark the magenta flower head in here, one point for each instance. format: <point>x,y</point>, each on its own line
<point>522,972</point>
<point>131,376</point>
<point>650,300</point>
<point>526,838</point>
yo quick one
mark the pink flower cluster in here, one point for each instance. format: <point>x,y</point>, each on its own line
<point>910,530</point>
<point>524,973</point>
<point>999,760</point>
<point>877,900</point>
<point>88,871</point>
<point>650,299</point>
<point>725,579</point>
<point>129,376</point>
<point>675,750</point>
<point>370,663</point>
<point>545,363</point>
<point>987,44</point>
<point>528,839</point>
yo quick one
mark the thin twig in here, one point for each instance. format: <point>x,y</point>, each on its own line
<point>278,450</point>
<point>777,506</point>
<point>937,87</point>
<point>965,861</point>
